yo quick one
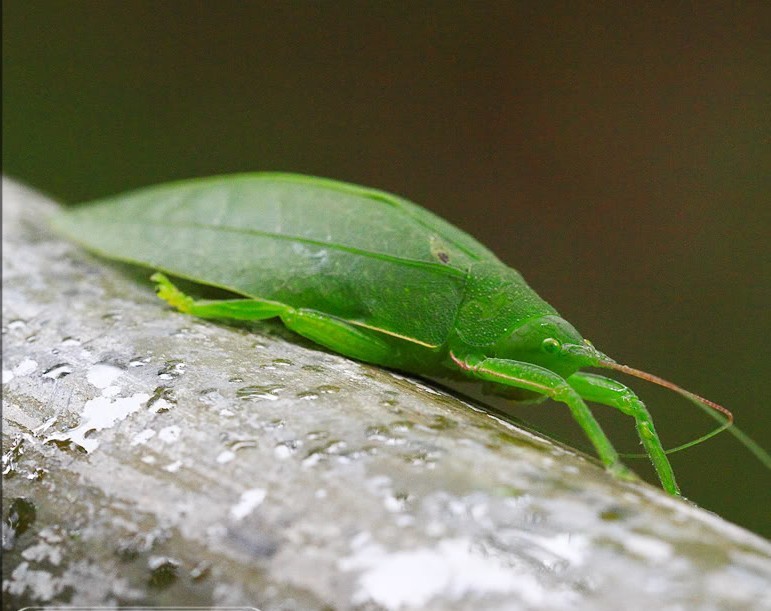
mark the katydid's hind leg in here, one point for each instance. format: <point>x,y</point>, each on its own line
<point>326,330</point>
<point>338,335</point>
<point>540,380</point>
<point>600,389</point>
<point>234,309</point>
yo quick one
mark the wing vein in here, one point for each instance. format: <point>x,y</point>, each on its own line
<point>434,267</point>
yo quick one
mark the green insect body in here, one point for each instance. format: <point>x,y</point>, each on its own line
<point>369,275</point>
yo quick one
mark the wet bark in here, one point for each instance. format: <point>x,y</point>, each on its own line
<point>154,459</point>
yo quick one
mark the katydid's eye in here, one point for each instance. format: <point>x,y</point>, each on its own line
<point>550,345</point>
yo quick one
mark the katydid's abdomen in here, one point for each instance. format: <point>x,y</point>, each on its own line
<point>367,274</point>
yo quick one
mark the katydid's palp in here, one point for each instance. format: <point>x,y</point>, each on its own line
<point>369,275</point>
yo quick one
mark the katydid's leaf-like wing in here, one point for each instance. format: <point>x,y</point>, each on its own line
<point>352,252</point>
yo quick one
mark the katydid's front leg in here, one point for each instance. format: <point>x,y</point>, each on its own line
<point>538,379</point>
<point>600,389</point>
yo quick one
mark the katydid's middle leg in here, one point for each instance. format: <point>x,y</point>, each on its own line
<point>543,381</point>
<point>599,389</point>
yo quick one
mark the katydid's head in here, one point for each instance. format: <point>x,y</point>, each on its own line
<point>551,342</point>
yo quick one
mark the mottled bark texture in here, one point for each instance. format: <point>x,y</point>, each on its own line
<point>154,459</point>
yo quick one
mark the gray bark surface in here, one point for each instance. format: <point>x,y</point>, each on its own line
<point>150,458</point>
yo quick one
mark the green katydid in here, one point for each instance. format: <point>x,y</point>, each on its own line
<point>372,276</point>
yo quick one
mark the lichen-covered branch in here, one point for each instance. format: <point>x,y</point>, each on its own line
<point>155,459</point>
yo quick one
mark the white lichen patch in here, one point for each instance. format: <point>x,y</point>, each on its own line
<point>43,551</point>
<point>39,585</point>
<point>103,375</point>
<point>249,501</point>
<point>570,548</point>
<point>225,456</point>
<point>173,467</point>
<point>170,434</point>
<point>452,569</point>
<point>98,414</point>
<point>649,548</point>
<point>142,437</point>
<point>26,367</point>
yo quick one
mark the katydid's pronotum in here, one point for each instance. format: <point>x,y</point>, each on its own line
<point>372,276</point>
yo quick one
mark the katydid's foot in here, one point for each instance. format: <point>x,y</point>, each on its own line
<point>625,474</point>
<point>600,389</point>
<point>170,293</point>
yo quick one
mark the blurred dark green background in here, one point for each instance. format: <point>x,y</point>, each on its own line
<point>618,155</point>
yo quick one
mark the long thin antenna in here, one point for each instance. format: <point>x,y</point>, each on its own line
<point>713,409</point>
<point>671,386</point>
